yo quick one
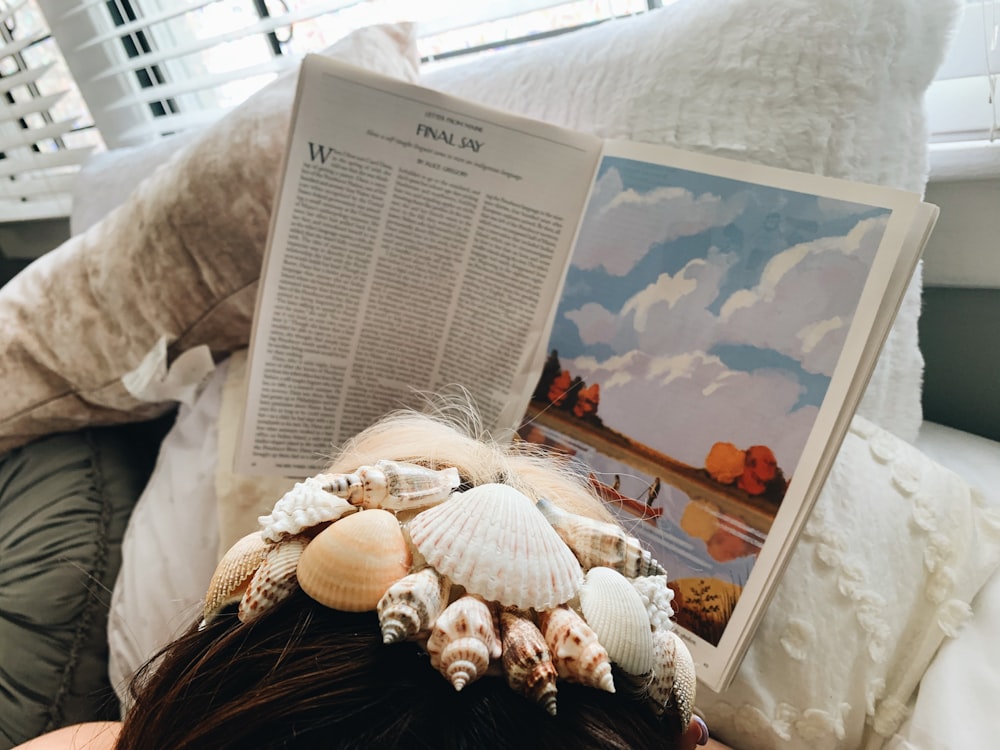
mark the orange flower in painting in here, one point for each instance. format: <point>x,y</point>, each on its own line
<point>560,387</point>
<point>587,401</point>
<point>761,467</point>
<point>725,463</point>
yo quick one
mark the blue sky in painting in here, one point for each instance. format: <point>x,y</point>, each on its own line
<point>720,306</point>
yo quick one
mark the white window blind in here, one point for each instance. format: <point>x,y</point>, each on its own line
<point>148,68</point>
<point>962,106</point>
<point>44,125</point>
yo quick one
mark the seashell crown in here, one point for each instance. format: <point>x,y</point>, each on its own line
<point>484,577</point>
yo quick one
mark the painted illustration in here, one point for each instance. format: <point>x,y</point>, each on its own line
<point>699,327</point>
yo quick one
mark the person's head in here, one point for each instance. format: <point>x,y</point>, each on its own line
<point>303,675</point>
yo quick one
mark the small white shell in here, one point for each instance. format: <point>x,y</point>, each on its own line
<point>233,573</point>
<point>274,579</point>
<point>596,543</point>
<point>492,541</point>
<point>394,485</point>
<point>576,652</point>
<point>463,641</point>
<point>673,682</point>
<point>351,564</point>
<point>657,598</point>
<point>527,661</point>
<point>411,605</point>
<point>302,507</point>
<point>614,609</point>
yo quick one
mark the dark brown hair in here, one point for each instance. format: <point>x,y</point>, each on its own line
<point>304,676</point>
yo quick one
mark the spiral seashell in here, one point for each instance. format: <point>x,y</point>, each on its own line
<point>351,564</point>
<point>657,598</point>
<point>596,543</point>
<point>614,609</point>
<point>491,540</point>
<point>673,682</point>
<point>463,640</point>
<point>233,573</point>
<point>576,652</point>
<point>411,605</point>
<point>527,661</point>
<point>302,507</point>
<point>394,485</point>
<point>274,580</point>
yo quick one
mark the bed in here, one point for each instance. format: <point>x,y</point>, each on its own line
<point>879,635</point>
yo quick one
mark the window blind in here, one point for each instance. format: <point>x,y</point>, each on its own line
<point>39,122</point>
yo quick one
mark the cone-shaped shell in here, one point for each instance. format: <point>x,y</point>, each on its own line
<point>596,543</point>
<point>274,579</point>
<point>527,661</point>
<point>614,609</point>
<point>411,605</point>
<point>233,573</point>
<point>657,598</point>
<point>576,652</point>
<point>463,641</point>
<point>351,564</point>
<point>493,541</point>
<point>672,687</point>
<point>394,485</point>
<point>306,505</point>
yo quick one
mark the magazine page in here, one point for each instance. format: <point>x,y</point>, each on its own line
<point>717,325</point>
<point>418,241</point>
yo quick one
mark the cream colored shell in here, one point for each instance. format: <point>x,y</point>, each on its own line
<point>614,609</point>
<point>576,652</point>
<point>463,641</point>
<point>411,605</point>
<point>673,683</point>
<point>491,540</point>
<point>352,563</point>
<point>274,580</point>
<point>233,573</point>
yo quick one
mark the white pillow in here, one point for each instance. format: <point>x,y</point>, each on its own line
<point>832,87</point>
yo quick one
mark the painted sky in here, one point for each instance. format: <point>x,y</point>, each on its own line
<point>723,304</point>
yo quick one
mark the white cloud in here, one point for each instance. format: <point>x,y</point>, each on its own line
<point>595,323</point>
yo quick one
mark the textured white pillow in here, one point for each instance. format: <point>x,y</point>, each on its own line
<point>890,561</point>
<point>833,87</point>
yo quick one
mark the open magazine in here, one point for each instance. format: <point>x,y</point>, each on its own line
<point>697,330</point>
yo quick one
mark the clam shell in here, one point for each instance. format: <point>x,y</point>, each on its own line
<point>233,573</point>
<point>351,564</point>
<point>274,580</point>
<point>394,485</point>
<point>302,507</point>
<point>596,543</point>
<point>657,598</point>
<point>527,661</point>
<point>492,541</point>
<point>576,652</point>
<point>673,683</point>
<point>411,605</point>
<point>614,609</point>
<point>463,641</point>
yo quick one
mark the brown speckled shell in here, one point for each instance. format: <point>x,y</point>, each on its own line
<point>576,652</point>
<point>527,661</point>
<point>233,573</point>
<point>274,580</point>
<point>463,641</point>
<point>411,605</point>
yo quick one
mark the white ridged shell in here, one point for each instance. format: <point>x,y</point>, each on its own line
<point>493,541</point>
<point>411,605</point>
<point>576,652</point>
<point>463,641</point>
<point>274,579</point>
<point>233,574</point>
<point>304,506</point>
<point>614,609</point>
<point>673,682</point>
<point>352,563</point>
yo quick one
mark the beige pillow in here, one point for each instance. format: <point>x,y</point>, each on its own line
<point>179,259</point>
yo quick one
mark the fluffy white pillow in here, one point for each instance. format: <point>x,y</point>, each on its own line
<point>833,87</point>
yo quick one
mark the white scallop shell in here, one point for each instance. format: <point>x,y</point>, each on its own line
<point>673,681</point>
<point>411,604</point>
<point>274,580</point>
<point>491,540</point>
<point>576,652</point>
<point>614,609</point>
<point>657,598</point>
<point>463,641</point>
<point>352,563</point>
<point>233,573</point>
<point>527,661</point>
<point>597,543</point>
<point>306,505</point>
